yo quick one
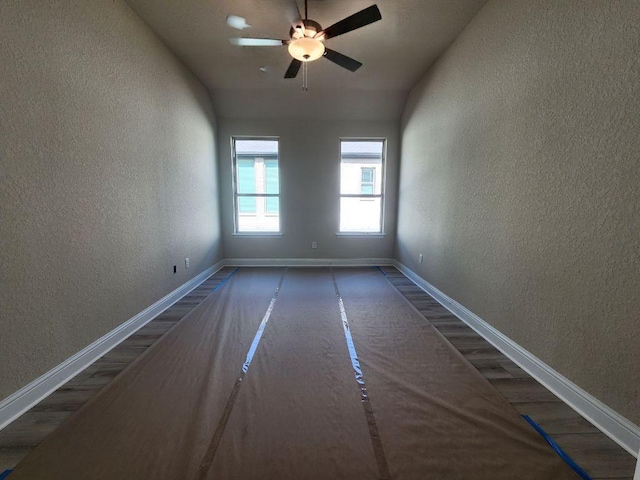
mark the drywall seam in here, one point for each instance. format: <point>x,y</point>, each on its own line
<point>25,398</point>
<point>307,262</point>
<point>615,426</point>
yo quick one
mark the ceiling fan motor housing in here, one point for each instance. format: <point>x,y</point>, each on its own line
<point>310,29</point>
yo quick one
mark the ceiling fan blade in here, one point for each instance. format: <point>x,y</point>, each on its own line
<point>257,42</point>
<point>293,14</point>
<point>363,17</point>
<point>342,60</point>
<point>239,23</point>
<point>294,68</point>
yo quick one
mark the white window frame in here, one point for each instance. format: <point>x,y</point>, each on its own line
<point>263,196</point>
<point>364,196</point>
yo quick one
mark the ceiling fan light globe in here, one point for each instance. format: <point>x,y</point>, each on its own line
<point>306,49</point>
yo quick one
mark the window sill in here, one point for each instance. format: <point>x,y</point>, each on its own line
<point>258,234</point>
<point>361,234</point>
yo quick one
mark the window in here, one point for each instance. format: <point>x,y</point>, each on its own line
<point>368,180</point>
<point>361,185</point>
<point>256,185</point>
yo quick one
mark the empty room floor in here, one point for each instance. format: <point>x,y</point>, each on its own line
<point>305,373</point>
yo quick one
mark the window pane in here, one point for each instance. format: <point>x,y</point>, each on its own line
<point>247,204</point>
<point>273,205</point>
<point>271,175</point>
<point>246,184</point>
<point>246,175</point>
<point>261,147</point>
<point>367,175</point>
<point>360,214</point>
<point>258,223</point>
<point>272,185</point>
<point>361,162</point>
<point>373,147</point>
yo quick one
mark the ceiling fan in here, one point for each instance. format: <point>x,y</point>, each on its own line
<point>307,37</point>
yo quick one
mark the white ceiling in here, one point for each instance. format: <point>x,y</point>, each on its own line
<point>395,52</point>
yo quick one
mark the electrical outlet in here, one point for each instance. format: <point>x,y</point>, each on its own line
<point>314,244</point>
<point>186,262</point>
<point>421,258</point>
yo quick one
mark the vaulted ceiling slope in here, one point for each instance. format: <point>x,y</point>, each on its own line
<point>395,52</point>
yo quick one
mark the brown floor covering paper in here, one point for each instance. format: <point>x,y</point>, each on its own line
<point>156,419</point>
<point>438,417</point>
<point>298,412</point>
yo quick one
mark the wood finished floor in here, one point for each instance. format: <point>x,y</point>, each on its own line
<point>599,456</point>
<point>592,450</point>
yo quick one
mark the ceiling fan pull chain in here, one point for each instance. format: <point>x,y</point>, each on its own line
<point>305,86</point>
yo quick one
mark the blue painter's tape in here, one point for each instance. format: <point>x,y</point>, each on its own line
<point>5,474</point>
<point>561,453</point>
<point>381,271</point>
<point>217,287</point>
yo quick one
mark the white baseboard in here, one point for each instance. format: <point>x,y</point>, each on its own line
<point>615,426</point>
<point>19,402</point>
<point>307,262</point>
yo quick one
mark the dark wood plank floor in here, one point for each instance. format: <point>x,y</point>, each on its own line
<point>21,436</point>
<point>599,456</point>
<point>591,449</point>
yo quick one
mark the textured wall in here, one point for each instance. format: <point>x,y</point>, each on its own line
<point>520,184</point>
<point>309,189</point>
<point>107,178</point>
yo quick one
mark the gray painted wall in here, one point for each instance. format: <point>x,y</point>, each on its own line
<point>310,187</point>
<point>107,178</point>
<point>520,184</point>
<point>294,104</point>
